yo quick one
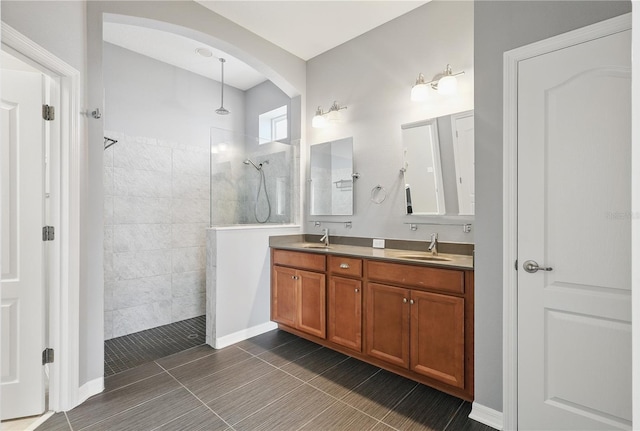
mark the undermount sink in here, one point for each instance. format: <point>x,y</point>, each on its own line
<point>425,258</point>
<point>317,246</point>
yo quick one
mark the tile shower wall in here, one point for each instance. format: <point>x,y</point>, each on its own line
<point>156,212</point>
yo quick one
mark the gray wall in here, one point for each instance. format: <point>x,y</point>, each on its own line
<point>146,97</point>
<point>501,26</point>
<point>372,75</point>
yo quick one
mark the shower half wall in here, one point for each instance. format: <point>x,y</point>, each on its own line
<point>254,194</point>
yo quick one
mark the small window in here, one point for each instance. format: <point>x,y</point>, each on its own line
<point>273,125</point>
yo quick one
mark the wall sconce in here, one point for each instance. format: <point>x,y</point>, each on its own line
<point>321,119</point>
<point>444,83</point>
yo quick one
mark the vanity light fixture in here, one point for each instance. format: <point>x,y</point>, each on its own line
<point>321,118</point>
<point>444,83</point>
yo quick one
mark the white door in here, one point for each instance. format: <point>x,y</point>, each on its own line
<point>22,182</point>
<point>574,202</point>
<point>463,152</point>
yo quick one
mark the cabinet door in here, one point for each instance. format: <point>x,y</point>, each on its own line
<point>437,337</point>
<point>312,303</point>
<point>345,312</point>
<point>284,298</point>
<point>387,323</point>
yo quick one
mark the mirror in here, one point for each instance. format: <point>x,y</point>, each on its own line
<point>331,183</point>
<point>438,157</point>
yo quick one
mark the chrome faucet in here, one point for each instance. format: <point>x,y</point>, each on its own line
<point>325,237</point>
<point>433,247</point>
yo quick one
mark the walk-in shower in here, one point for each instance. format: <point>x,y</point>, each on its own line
<point>241,196</point>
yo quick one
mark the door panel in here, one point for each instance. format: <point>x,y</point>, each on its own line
<point>345,312</point>
<point>312,307</point>
<point>463,151</point>
<point>437,337</point>
<point>387,326</point>
<point>574,179</point>
<point>284,297</point>
<point>22,252</point>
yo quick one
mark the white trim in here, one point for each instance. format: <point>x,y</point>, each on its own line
<point>236,337</point>
<point>42,419</point>
<point>486,415</point>
<point>90,389</point>
<point>65,284</point>
<point>510,195</point>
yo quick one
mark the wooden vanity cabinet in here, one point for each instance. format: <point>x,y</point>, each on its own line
<point>345,302</point>
<point>414,320</point>
<point>415,328</point>
<point>298,296</point>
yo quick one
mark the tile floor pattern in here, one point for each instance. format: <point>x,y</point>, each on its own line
<point>129,351</point>
<point>275,381</point>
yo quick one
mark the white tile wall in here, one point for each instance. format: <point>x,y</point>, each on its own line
<point>156,212</point>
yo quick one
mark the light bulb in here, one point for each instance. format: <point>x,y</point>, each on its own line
<point>448,85</point>
<point>318,121</point>
<point>419,93</point>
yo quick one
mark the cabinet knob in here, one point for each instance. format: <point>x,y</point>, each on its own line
<point>344,265</point>
<point>294,277</point>
<point>357,290</point>
<point>411,302</point>
<point>404,300</point>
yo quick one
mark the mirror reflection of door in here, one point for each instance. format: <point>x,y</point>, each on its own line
<point>438,169</point>
<point>422,169</point>
<point>463,152</point>
<point>331,182</point>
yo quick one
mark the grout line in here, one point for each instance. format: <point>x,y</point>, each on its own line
<point>453,416</point>
<point>203,403</point>
<point>392,408</point>
<point>128,409</point>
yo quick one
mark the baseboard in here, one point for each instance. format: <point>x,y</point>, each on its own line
<point>486,415</point>
<point>236,337</point>
<point>42,419</point>
<point>90,389</point>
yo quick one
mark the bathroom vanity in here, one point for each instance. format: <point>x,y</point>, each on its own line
<point>405,311</point>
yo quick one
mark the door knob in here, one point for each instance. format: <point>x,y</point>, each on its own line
<point>532,267</point>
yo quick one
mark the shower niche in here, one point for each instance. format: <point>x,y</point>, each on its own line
<point>252,179</point>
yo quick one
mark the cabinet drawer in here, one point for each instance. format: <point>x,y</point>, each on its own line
<point>345,266</point>
<point>296,259</point>
<point>447,280</point>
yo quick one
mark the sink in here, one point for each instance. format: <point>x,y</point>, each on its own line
<point>425,258</point>
<point>317,246</point>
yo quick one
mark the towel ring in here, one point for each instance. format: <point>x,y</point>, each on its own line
<point>378,194</point>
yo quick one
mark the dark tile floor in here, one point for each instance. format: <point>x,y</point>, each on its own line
<point>129,351</point>
<point>275,381</point>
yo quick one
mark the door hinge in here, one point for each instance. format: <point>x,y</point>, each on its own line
<point>48,233</point>
<point>47,356</point>
<point>516,265</point>
<point>48,112</point>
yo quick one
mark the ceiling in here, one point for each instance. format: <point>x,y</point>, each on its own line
<point>305,28</point>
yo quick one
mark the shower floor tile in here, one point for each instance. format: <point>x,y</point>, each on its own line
<point>129,351</point>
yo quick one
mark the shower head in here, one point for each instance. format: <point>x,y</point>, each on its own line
<point>247,162</point>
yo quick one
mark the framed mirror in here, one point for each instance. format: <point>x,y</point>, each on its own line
<point>438,156</point>
<point>331,181</point>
